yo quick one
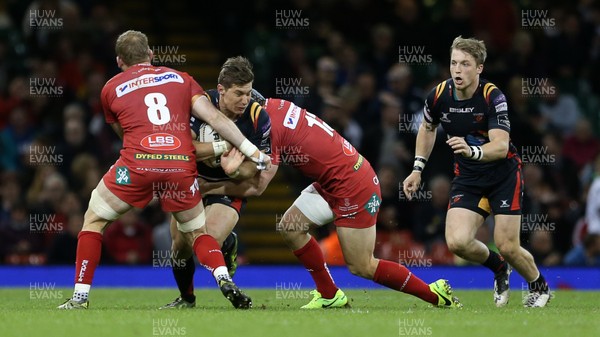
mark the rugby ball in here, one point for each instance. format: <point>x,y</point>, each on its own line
<point>206,134</point>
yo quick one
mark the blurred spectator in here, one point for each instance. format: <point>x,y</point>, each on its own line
<point>523,60</point>
<point>560,172</point>
<point>325,85</point>
<point>586,254</point>
<point>85,175</point>
<point>430,219</point>
<point>337,115</point>
<point>541,246</point>
<point>526,124</point>
<point>581,147</point>
<point>161,234</point>
<point>47,190</point>
<point>20,245</point>
<point>570,50</point>
<point>400,84</point>
<point>76,141</point>
<point>129,240</point>
<point>19,132</point>
<point>382,53</point>
<point>64,247</point>
<point>559,110</point>
<point>456,20</point>
<point>366,106</point>
<point>592,211</point>
<point>494,22</point>
<point>383,144</point>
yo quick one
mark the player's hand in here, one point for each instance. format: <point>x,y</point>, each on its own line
<point>459,146</point>
<point>411,184</point>
<point>263,161</point>
<point>231,161</point>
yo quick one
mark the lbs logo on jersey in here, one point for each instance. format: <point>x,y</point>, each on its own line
<point>163,141</point>
<point>348,148</point>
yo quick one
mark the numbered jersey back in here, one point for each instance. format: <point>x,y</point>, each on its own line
<point>153,106</point>
<point>303,140</point>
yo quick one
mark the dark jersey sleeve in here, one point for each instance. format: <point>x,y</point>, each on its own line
<point>431,110</point>
<point>497,110</point>
<point>257,96</point>
<point>261,137</point>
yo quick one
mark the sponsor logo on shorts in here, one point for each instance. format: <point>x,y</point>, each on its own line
<point>372,206</point>
<point>161,156</point>
<point>159,170</point>
<point>123,175</point>
<point>348,149</point>
<point>347,207</point>
<point>504,203</point>
<point>148,80</point>
<point>194,187</point>
<point>163,141</point>
<point>359,163</point>
<point>455,198</point>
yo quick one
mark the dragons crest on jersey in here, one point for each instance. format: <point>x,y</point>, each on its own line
<point>163,141</point>
<point>148,80</point>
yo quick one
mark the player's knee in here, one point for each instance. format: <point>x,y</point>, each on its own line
<point>363,269</point>
<point>508,248</point>
<point>457,244</point>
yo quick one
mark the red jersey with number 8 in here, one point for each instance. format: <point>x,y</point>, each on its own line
<point>302,140</point>
<point>153,106</point>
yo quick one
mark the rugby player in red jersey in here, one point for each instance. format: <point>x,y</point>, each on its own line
<point>149,108</point>
<point>346,191</point>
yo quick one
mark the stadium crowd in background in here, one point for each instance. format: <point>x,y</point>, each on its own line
<point>364,67</point>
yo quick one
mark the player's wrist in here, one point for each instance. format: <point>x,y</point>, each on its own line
<point>476,153</point>
<point>247,148</point>
<point>219,148</point>
<point>233,175</point>
<point>419,164</point>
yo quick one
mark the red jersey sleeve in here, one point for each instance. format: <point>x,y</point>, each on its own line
<point>195,88</point>
<point>105,98</point>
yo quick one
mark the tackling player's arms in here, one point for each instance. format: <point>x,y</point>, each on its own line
<point>251,187</point>
<point>203,109</point>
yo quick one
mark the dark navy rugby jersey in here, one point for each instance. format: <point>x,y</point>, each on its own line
<point>472,119</point>
<point>254,123</point>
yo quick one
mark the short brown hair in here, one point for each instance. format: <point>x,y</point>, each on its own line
<point>236,70</point>
<point>132,47</point>
<point>471,46</point>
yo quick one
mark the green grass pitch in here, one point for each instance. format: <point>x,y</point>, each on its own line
<point>133,312</point>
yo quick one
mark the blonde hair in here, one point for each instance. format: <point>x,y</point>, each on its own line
<point>471,46</point>
<point>132,47</point>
